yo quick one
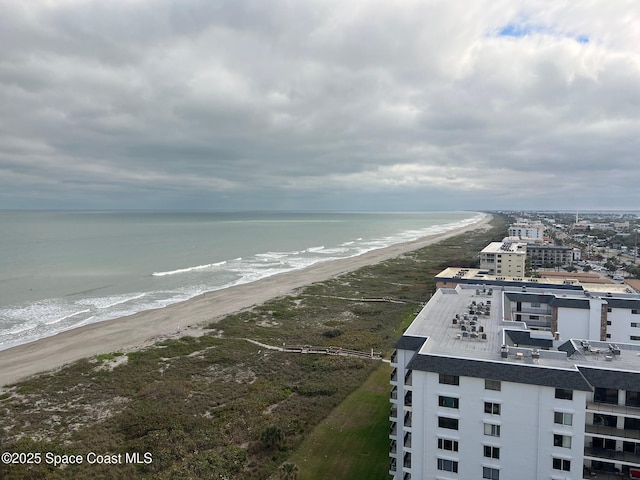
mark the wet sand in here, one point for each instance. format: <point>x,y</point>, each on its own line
<point>145,328</point>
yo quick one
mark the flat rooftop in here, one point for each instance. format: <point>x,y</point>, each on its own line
<point>506,247</point>
<point>475,276</point>
<point>467,322</point>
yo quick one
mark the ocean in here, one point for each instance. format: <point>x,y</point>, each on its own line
<point>60,270</point>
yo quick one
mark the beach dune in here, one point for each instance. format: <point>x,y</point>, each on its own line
<point>145,328</point>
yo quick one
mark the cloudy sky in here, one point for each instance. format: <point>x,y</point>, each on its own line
<point>320,104</point>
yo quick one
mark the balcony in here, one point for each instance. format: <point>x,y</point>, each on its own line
<point>394,357</point>
<point>614,409</point>
<point>408,399</point>
<point>618,456</point>
<point>394,393</point>
<point>608,471</point>
<point>394,375</point>
<point>393,414</point>
<point>532,311</point>
<point>537,323</point>
<point>407,419</point>
<point>407,440</point>
<point>408,378</point>
<point>612,432</point>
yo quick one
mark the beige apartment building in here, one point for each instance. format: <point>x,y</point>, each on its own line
<point>504,258</point>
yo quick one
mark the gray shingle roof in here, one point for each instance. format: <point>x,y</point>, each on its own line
<point>409,342</point>
<point>618,379</point>
<point>523,338</point>
<point>567,347</point>
<point>506,372</point>
<point>623,303</point>
<point>528,297</point>
<point>570,303</point>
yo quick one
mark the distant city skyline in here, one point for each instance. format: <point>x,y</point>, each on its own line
<point>320,105</point>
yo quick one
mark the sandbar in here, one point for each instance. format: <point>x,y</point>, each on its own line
<point>185,318</point>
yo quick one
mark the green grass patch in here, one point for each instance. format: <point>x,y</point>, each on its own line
<point>352,443</point>
<point>108,356</point>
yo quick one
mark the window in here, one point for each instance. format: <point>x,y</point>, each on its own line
<point>562,464</point>
<point>564,394</point>
<point>490,473</point>
<point>449,379</point>
<point>408,399</point>
<point>447,465</point>
<point>492,452</point>
<point>492,385</point>
<point>408,378</point>
<point>609,322</point>
<point>562,418</point>
<point>605,395</point>
<point>407,419</point>
<point>609,309</point>
<point>446,444</point>
<point>632,398</point>
<point>634,324</point>
<point>450,423</point>
<point>492,408</point>
<point>449,402</point>
<point>492,430</point>
<point>635,311</point>
<point>563,441</point>
<point>634,337</point>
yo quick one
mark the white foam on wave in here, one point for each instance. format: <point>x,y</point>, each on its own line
<point>332,251</point>
<point>189,269</point>
<point>102,303</point>
<point>20,329</point>
<point>58,320</point>
<point>275,255</point>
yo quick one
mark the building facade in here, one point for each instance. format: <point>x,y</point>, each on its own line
<point>549,255</point>
<point>534,231</point>
<point>477,392</point>
<point>504,258</point>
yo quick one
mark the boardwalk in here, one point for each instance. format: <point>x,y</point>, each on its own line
<point>319,350</point>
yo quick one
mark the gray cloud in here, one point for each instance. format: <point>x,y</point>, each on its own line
<point>319,104</point>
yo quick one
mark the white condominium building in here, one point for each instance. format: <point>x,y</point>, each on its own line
<point>533,231</point>
<point>500,382</point>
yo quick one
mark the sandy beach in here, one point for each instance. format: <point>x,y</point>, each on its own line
<point>145,328</point>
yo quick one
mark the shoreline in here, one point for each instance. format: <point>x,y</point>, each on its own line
<point>144,328</point>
